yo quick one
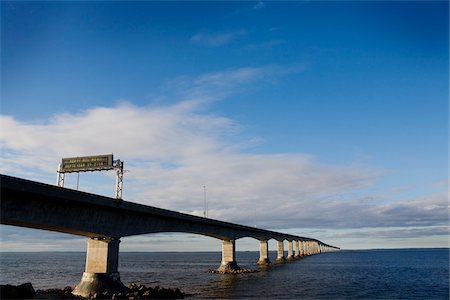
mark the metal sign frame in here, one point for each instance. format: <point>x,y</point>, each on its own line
<point>91,164</point>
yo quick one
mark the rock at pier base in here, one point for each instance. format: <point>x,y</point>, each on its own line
<point>228,267</point>
<point>23,291</point>
<point>139,291</point>
<point>232,271</point>
<point>263,262</point>
<point>98,283</point>
<point>58,294</point>
<point>281,259</point>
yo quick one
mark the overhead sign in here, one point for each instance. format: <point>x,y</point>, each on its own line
<point>87,163</point>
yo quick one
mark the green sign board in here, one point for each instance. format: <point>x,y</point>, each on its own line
<point>87,163</point>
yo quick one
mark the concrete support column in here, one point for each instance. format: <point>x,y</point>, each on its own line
<point>102,255</point>
<point>302,249</point>
<point>290,251</point>
<point>228,264</point>
<point>280,250</point>
<point>263,253</point>
<point>297,250</point>
<point>101,273</point>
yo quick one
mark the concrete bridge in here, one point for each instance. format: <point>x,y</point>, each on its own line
<point>105,220</point>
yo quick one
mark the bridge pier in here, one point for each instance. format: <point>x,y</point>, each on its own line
<point>297,250</point>
<point>263,253</point>
<point>101,273</point>
<point>280,252</point>
<point>290,251</point>
<point>228,264</point>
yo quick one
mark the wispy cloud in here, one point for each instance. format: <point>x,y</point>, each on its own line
<point>216,39</point>
<point>259,5</point>
<point>221,84</point>
<point>396,233</point>
<point>264,45</point>
<point>24,239</point>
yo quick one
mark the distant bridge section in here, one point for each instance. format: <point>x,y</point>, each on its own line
<point>105,220</point>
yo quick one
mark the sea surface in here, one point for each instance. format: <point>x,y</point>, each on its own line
<point>358,274</point>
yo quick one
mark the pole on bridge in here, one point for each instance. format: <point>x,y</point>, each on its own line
<point>118,164</point>
<point>60,177</point>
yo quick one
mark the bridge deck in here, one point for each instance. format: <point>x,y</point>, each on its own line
<point>37,205</point>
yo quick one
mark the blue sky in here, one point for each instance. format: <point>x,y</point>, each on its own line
<point>327,119</point>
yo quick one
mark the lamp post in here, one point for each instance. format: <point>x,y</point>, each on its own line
<point>204,202</point>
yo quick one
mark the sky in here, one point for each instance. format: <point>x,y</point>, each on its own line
<point>320,119</point>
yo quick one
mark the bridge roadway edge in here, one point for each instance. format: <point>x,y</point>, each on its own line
<point>37,205</point>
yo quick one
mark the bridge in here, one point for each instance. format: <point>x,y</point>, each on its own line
<point>105,220</point>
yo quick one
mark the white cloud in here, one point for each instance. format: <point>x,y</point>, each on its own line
<point>172,151</point>
<point>216,39</point>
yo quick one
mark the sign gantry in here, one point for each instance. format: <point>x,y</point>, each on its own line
<point>90,164</point>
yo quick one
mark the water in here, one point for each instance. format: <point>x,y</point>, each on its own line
<point>368,274</point>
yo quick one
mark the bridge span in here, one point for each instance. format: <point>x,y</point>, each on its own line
<point>105,220</point>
